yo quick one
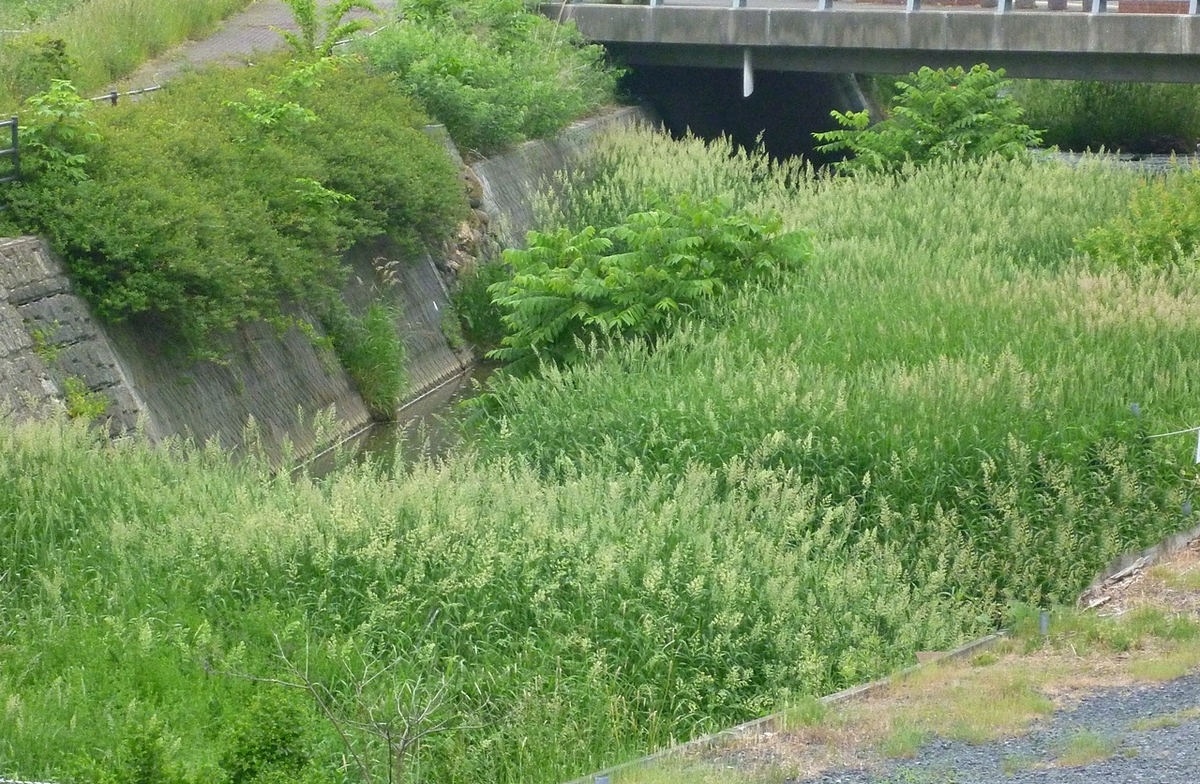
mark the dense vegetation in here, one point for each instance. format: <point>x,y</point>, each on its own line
<point>812,478</point>
<point>226,199</point>
<point>944,361</point>
<point>1138,118</point>
<point>634,279</point>
<point>93,43</point>
<point>493,71</point>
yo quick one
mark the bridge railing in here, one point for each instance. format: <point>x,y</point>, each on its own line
<point>1174,7</point>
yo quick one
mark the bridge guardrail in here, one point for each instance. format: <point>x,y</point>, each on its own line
<point>1001,6</point>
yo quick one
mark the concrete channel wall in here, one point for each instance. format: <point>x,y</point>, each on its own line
<point>50,343</point>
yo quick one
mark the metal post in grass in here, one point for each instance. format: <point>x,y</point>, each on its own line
<point>1044,623</point>
<point>602,780</point>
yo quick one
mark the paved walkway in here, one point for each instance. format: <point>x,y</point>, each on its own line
<point>239,38</point>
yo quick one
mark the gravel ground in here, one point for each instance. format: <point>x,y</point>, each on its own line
<point>1161,755</point>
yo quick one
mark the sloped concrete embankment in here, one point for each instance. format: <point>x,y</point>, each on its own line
<point>49,341</point>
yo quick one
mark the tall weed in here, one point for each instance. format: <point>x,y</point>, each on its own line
<point>944,356</point>
<point>1126,116</point>
<point>572,623</point>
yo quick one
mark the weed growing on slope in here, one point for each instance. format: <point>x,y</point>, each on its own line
<point>571,623</point>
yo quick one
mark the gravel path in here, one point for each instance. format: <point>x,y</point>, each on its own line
<point>1160,755</point>
<point>240,36</point>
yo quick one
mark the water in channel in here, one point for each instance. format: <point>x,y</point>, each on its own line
<point>425,427</point>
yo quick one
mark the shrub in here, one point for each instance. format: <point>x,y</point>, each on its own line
<point>628,280</point>
<point>1161,229</point>
<point>947,114</point>
<point>232,193</point>
<point>29,64</point>
<point>268,737</point>
<point>494,72</point>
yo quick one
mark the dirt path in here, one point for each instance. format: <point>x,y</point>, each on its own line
<point>239,38</point>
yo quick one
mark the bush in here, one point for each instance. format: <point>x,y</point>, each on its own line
<point>268,737</point>
<point>1161,229</point>
<point>1115,115</point>
<point>943,115</point>
<point>628,280</point>
<point>494,72</point>
<point>29,64</point>
<point>232,193</point>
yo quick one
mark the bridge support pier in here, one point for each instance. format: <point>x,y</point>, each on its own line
<point>747,73</point>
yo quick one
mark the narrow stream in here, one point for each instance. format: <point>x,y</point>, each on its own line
<point>425,427</point>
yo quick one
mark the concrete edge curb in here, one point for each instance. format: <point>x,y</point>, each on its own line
<point>1143,558</point>
<point>773,721</point>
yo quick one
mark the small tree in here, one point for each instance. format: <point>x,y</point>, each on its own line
<point>310,42</point>
<point>947,114</point>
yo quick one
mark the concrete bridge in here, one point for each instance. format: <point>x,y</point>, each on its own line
<point>1084,41</point>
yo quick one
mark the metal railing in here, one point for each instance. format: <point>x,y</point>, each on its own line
<point>1001,6</point>
<point>13,153</point>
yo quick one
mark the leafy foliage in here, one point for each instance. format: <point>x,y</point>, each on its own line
<point>943,115</point>
<point>493,71</point>
<point>1160,230</point>
<point>31,63</point>
<point>214,211</point>
<point>60,133</point>
<point>312,41</point>
<point>630,279</point>
<point>268,737</point>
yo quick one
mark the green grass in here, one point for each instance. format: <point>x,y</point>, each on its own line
<point>1085,747</point>
<point>107,39</point>
<point>945,361</point>
<point>1175,719</point>
<point>864,459</point>
<point>1115,115</point>
<point>574,623</point>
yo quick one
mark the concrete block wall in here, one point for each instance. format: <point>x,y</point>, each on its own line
<point>281,381</point>
<point>512,181</point>
<point>47,336</point>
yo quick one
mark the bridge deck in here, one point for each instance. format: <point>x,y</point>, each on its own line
<point>796,35</point>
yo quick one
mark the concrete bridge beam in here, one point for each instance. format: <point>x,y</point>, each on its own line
<point>1059,45</point>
